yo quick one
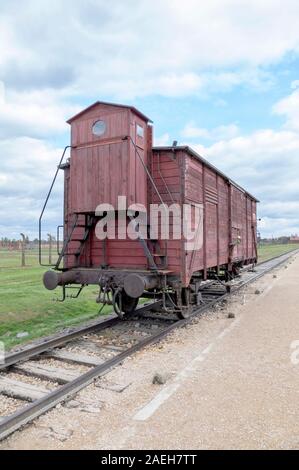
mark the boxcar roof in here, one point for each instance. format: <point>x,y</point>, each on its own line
<point>192,152</point>
<point>135,110</point>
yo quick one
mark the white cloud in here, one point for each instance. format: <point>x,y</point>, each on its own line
<point>47,61</point>
<point>220,103</point>
<point>289,108</point>
<point>265,163</point>
<point>134,48</point>
<point>27,169</point>
<point>162,140</point>
<point>278,227</point>
<point>55,53</point>
<point>34,113</point>
<point>168,84</point>
<point>218,133</point>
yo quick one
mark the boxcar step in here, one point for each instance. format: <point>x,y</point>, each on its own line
<point>20,390</point>
<point>45,372</point>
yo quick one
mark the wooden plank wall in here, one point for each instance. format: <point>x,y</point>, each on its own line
<point>204,186</point>
<point>166,169</point>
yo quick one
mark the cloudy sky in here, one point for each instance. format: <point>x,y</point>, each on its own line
<point>221,76</point>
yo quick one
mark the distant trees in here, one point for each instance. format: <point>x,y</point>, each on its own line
<point>275,241</point>
<point>13,244</point>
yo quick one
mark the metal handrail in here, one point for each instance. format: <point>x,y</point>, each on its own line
<point>43,210</point>
<point>66,242</point>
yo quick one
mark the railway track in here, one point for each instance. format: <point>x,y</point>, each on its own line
<point>38,377</point>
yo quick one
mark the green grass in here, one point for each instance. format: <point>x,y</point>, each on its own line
<point>26,306</point>
<point>270,251</point>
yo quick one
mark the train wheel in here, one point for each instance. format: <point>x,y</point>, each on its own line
<point>185,309</point>
<point>126,303</point>
<point>236,270</point>
<point>184,313</point>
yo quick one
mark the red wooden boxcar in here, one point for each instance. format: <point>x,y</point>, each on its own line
<point>112,155</point>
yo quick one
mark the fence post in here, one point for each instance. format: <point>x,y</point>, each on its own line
<point>50,247</point>
<point>23,247</point>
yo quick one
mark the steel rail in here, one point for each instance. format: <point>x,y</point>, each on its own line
<point>293,251</point>
<point>33,410</point>
<point>21,417</point>
<point>60,340</point>
<point>284,256</point>
<point>63,339</point>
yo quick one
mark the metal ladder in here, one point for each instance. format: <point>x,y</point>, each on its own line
<point>159,254</point>
<point>77,253</point>
<point>152,257</point>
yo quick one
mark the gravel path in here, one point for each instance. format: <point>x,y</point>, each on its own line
<point>230,383</point>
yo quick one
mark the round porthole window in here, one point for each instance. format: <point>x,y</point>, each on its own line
<point>99,128</point>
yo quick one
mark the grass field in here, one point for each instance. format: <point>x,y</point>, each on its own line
<point>26,306</point>
<point>270,251</point>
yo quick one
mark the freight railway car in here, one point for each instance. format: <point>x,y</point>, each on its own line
<point>118,246</point>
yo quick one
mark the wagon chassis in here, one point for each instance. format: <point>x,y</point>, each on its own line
<point>212,293</point>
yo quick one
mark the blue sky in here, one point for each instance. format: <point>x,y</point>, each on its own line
<point>221,76</point>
